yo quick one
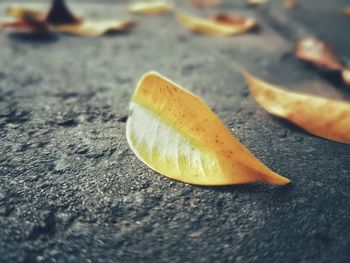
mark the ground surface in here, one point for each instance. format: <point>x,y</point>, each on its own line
<point>72,191</point>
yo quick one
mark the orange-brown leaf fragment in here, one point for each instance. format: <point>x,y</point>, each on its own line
<point>220,25</point>
<point>176,134</point>
<point>205,4</point>
<point>346,11</point>
<point>318,53</point>
<point>151,8</point>
<point>323,117</point>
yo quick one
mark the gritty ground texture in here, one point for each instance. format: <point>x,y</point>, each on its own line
<point>71,190</point>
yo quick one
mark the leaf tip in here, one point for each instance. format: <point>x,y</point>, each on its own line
<point>276,179</point>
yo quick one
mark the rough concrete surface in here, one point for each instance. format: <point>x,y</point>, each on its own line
<point>71,190</point>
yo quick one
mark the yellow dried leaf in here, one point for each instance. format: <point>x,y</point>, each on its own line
<point>150,8</point>
<point>206,4</point>
<point>176,134</point>
<point>60,19</point>
<point>323,117</point>
<point>95,28</point>
<point>220,25</point>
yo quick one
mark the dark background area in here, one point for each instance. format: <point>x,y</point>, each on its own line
<point>71,190</point>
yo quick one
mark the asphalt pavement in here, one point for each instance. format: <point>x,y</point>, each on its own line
<point>71,190</point>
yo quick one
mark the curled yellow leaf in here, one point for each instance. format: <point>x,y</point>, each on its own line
<point>323,117</point>
<point>176,134</point>
<point>150,8</point>
<point>220,25</point>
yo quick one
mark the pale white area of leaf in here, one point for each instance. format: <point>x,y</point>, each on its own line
<point>175,151</point>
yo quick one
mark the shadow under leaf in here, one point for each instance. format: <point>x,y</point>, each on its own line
<point>30,37</point>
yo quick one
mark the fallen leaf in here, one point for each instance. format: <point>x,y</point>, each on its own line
<point>95,28</point>
<point>322,55</point>
<point>206,4</point>
<point>23,13</point>
<point>319,53</point>
<point>219,25</point>
<point>27,19</point>
<point>257,2</point>
<point>32,26</point>
<point>290,4</point>
<point>346,11</point>
<point>323,117</point>
<point>60,19</point>
<point>176,134</point>
<point>151,8</point>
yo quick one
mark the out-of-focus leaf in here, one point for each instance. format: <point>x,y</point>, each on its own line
<point>219,25</point>
<point>257,2</point>
<point>346,76</point>
<point>27,19</point>
<point>60,19</point>
<point>95,28</point>
<point>318,53</point>
<point>206,4</point>
<point>290,4</point>
<point>176,134</point>
<point>346,11</point>
<point>323,117</point>
<point>322,55</point>
<point>151,8</point>
<point>22,13</point>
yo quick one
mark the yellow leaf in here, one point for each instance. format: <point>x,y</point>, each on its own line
<point>217,26</point>
<point>150,8</point>
<point>176,134</point>
<point>323,117</point>
<point>95,28</point>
